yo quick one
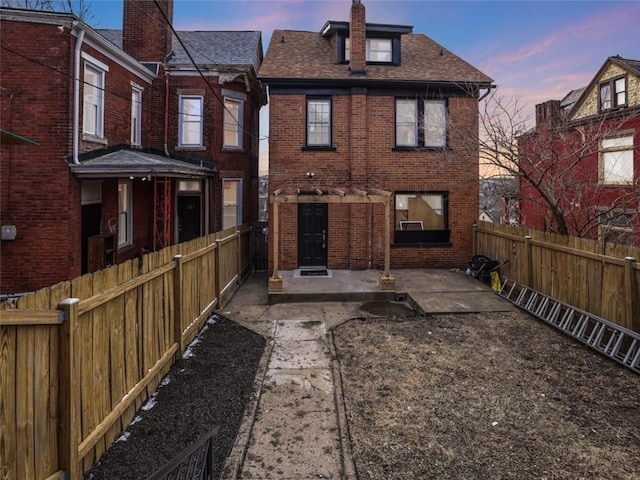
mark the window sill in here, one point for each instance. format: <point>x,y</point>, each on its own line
<point>190,148</point>
<point>422,245</point>
<point>87,137</point>
<point>419,149</point>
<point>616,185</point>
<point>233,149</point>
<point>319,148</point>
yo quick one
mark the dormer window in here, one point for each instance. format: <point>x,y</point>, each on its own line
<point>613,93</point>
<point>379,50</point>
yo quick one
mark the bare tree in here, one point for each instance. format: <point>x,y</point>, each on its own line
<point>557,164</point>
<point>80,8</point>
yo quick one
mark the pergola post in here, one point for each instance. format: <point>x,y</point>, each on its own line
<point>275,281</point>
<point>386,281</point>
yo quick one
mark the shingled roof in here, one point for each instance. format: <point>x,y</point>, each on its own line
<point>299,55</point>
<point>209,48</point>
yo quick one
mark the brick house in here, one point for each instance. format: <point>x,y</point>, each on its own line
<point>138,148</point>
<point>588,144</point>
<point>364,168</point>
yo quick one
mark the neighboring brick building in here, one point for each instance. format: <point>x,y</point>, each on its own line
<point>137,147</point>
<point>362,112</point>
<point>584,157</point>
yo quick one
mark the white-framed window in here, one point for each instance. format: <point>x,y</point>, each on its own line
<point>319,122</point>
<point>136,116</point>
<point>233,119</point>
<point>616,160</point>
<point>421,123</point>
<point>421,217</point>
<point>232,202</point>
<point>93,98</point>
<point>613,93</point>
<point>190,120</point>
<point>377,50</point>
<point>125,213</point>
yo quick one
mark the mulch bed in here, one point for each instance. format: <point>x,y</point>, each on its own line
<point>209,388</point>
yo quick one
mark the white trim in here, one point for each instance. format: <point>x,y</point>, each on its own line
<point>97,63</point>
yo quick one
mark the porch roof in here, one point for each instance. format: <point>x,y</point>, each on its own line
<point>137,163</point>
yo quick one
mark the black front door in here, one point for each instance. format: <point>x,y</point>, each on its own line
<point>312,234</point>
<point>189,217</point>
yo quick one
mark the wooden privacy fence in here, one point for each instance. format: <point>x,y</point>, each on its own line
<point>79,358</point>
<point>572,270</point>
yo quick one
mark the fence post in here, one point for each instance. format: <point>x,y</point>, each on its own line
<point>177,305</point>
<point>528,269</point>
<point>69,400</point>
<point>631,299</point>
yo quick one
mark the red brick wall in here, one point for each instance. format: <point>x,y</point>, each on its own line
<point>363,159</point>
<point>35,183</point>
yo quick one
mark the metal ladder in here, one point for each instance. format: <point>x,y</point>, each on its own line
<point>614,341</point>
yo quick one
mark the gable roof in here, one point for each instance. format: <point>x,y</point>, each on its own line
<point>631,66</point>
<point>210,48</point>
<point>299,55</point>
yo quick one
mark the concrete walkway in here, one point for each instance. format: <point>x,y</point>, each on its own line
<point>295,427</point>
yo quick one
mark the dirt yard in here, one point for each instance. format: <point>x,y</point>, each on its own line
<point>491,396</point>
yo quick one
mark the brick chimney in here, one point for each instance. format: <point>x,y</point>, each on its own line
<point>548,113</point>
<point>357,39</point>
<point>145,33</point>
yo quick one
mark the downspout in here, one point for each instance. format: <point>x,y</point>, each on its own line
<point>76,94</point>
<point>166,112</point>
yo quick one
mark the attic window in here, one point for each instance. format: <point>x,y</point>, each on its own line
<point>613,93</point>
<point>378,50</point>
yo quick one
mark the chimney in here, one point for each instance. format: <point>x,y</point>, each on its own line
<point>146,36</point>
<point>548,113</point>
<point>357,39</point>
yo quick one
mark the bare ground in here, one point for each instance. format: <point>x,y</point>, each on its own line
<point>491,396</point>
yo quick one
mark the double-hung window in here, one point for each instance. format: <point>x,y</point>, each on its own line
<point>125,213</point>
<point>421,217</point>
<point>190,121</point>
<point>421,123</point>
<point>233,123</point>
<point>93,97</point>
<point>613,93</point>
<point>136,115</point>
<point>319,122</point>
<point>232,202</point>
<point>616,160</point>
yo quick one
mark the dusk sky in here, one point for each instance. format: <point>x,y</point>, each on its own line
<point>533,50</point>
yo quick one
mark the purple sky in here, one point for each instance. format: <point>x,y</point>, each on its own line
<point>534,50</point>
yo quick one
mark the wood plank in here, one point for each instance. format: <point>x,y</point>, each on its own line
<point>31,317</point>
<point>100,359</point>
<point>115,354</point>
<point>8,413</point>
<point>24,399</point>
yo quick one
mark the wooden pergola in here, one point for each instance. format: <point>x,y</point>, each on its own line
<point>334,196</point>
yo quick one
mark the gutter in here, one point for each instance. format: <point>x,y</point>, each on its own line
<point>489,88</point>
<point>76,93</point>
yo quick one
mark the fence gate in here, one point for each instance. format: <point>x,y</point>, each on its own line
<point>259,238</point>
